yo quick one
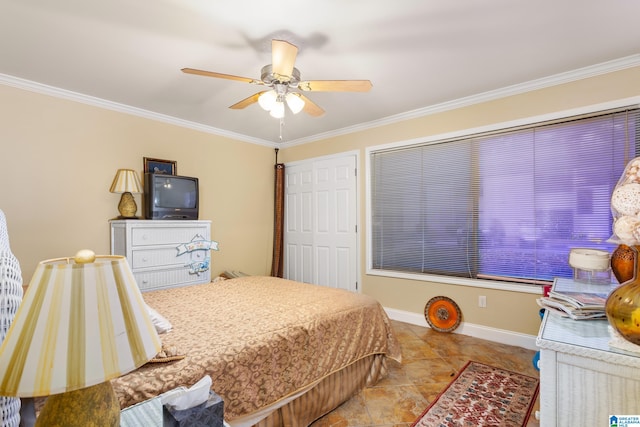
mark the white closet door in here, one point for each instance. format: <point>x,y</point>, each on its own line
<point>321,222</point>
<point>298,232</point>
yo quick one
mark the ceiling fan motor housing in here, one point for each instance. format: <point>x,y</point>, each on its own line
<point>269,78</point>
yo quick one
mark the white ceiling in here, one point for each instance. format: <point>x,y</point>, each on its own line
<point>417,53</point>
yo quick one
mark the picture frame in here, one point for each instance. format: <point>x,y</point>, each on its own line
<point>167,167</point>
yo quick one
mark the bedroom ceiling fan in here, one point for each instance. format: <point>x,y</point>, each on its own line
<point>283,78</point>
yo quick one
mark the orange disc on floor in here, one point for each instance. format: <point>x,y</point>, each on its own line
<point>442,314</point>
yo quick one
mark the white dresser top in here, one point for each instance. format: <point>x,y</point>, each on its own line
<point>581,337</point>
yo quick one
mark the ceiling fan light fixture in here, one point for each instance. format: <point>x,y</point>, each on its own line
<point>278,110</point>
<point>281,76</point>
<point>295,103</point>
<point>268,100</point>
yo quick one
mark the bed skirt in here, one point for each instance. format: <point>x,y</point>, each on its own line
<point>305,407</point>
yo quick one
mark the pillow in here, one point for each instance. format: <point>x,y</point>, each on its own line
<point>160,322</point>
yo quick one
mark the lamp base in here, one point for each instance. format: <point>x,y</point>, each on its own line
<point>88,407</point>
<point>127,206</point>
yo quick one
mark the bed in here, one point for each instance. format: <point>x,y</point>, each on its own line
<point>278,352</point>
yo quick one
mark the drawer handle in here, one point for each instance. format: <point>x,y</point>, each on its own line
<point>145,281</point>
<point>145,260</point>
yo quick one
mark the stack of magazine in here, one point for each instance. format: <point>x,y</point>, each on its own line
<point>576,305</point>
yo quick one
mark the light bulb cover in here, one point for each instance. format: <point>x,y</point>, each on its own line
<point>278,110</point>
<point>267,100</point>
<point>295,102</point>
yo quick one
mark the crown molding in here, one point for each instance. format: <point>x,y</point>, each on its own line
<point>542,83</point>
<point>557,79</point>
<point>43,89</point>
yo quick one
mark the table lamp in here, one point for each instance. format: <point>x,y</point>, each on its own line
<point>82,322</point>
<point>126,182</point>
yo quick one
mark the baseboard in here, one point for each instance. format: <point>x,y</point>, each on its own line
<point>478,331</point>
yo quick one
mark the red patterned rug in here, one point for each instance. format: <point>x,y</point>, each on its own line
<point>482,395</point>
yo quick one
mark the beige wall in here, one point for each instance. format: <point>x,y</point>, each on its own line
<point>508,310</point>
<point>62,156</point>
<point>59,158</point>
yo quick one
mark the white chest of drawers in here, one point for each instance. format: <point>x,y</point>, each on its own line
<point>164,254</point>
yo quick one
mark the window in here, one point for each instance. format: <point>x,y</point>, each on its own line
<point>505,206</point>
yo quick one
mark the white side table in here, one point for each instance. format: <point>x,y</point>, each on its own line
<point>582,379</point>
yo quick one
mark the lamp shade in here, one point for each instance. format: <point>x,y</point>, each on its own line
<point>126,181</point>
<point>82,322</point>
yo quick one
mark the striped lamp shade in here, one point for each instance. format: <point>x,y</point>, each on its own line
<point>82,322</point>
<point>126,180</point>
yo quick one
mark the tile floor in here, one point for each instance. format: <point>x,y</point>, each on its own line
<point>430,360</point>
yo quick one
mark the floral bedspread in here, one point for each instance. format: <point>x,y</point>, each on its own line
<point>260,339</point>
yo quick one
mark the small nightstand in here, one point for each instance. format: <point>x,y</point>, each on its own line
<point>582,379</point>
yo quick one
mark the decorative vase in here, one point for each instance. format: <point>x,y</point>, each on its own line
<point>623,305</point>
<point>622,263</point>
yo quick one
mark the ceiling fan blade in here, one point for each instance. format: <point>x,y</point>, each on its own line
<point>283,58</point>
<point>247,101</point>
<point>336,85</point>
<point>221,76</point>
<point>310,107</point>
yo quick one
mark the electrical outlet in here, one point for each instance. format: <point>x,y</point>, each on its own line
<point>482,301</point>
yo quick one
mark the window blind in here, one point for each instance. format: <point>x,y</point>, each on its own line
<point>507,205</point>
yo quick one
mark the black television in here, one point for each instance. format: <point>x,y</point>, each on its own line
<point>170,196</point>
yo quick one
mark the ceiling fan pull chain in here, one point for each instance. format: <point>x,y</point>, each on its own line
<point>281,126</point>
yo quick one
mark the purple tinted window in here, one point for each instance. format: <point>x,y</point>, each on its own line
<point>506,206</point>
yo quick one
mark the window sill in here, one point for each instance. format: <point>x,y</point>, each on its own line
<point>459,281</point>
